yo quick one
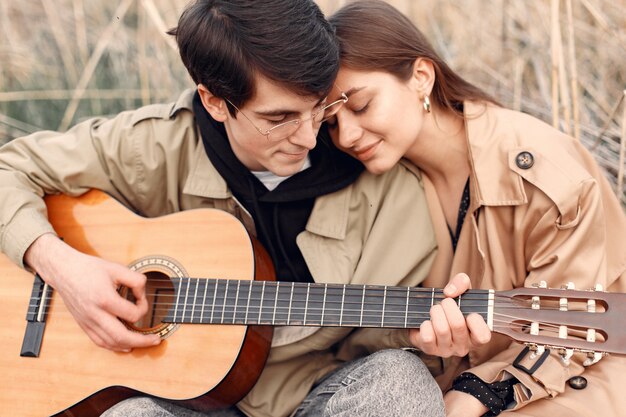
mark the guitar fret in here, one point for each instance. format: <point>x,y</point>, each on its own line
<point>261,302</point>
<point>362,302</point>
<point>248,302</point>
<point>193,306</point>
<point>343,297</point>
<point>382,320</point>
<point>290,303</point>
<point>196,311</point>
<point>236,301</point>
<point>225,298</point>
<point>186,299</point>
<point>214,300</point>
<point>177,299</point>
<point>324,305</point>
<point>204,302</point>
<point>306,304</point>
<point>406,310</point>
<point>275,304</point>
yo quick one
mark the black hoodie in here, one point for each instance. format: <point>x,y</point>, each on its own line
<point>281,214</point>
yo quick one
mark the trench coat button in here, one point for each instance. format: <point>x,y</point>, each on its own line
<point>524,160</point>
<point>577,382</point>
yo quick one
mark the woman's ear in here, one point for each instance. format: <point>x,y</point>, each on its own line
<point>423,76</point>
<point>216,106</point>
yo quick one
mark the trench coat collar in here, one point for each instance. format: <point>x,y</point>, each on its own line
<point>493,182</point>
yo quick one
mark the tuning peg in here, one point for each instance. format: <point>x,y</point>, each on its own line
<point>536,350</point>
<point>566,354</point>
<point>569,286</point>
<point>592,357</point>
<point>541,284</point>
<point>599,287</point>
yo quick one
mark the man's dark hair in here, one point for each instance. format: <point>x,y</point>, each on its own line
<point>224,43</point>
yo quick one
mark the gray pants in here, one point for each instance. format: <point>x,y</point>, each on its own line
<point>387,383</point>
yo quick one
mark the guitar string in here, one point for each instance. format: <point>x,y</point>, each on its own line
<point>467,301</point>
<point>390,314</point>
<point>412,319</point>
<point>373,292</point>
<point>544,329</point>
<point>412,322</point>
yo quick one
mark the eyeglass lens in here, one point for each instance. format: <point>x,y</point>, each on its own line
<point>289,128</point>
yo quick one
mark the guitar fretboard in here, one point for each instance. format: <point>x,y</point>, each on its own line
<point>225,301</point>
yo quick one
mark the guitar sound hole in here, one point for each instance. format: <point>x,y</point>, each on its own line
<point>160,296</point>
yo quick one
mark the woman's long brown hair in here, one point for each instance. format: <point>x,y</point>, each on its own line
<point>375,36</point>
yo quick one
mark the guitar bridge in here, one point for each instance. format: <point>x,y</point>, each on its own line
<point>36,318</point>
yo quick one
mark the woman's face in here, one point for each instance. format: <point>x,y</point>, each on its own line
<point>381,120</point>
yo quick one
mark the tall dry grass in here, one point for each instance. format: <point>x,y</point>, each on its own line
<point>560,60</point>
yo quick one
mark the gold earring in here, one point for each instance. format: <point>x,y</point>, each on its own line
<point>427,104</point>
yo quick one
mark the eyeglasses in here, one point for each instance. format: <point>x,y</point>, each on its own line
<point>286,129</point>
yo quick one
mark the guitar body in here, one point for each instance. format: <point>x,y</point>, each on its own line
<point>200,367</point>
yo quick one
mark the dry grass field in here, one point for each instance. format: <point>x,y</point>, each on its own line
<point>560,60</point>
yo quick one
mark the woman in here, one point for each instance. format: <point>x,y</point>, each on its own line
<point>514,202</point>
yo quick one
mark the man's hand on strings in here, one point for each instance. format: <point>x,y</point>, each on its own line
<point>88,286</point>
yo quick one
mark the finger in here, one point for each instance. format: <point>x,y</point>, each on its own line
<point>459,333</point>
<point>136,282</point>
<point>425,339</point>
<point>457,285</point>
<point>92,333</point>
<point>118,337</point>
<point>441,328</point>
<point>479,331</point>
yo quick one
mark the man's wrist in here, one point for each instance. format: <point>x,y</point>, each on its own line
<point>45,247</point>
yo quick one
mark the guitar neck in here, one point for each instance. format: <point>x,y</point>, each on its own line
<point>224,301</point>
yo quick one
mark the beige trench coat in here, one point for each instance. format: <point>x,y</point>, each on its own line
<point>153,160</point>
<point>550,217</point>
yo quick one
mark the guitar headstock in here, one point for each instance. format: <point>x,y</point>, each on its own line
<point>568,320</point>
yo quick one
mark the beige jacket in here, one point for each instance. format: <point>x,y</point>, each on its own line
<point>550,217</point>
<point>153,160</point>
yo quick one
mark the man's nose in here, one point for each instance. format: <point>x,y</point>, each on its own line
<point>305,136</point>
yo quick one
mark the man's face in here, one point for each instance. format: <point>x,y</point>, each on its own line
<point>272,105</point>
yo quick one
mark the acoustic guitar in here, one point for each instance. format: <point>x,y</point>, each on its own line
<point>204,268</point>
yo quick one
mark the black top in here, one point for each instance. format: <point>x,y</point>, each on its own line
<point>463,207</point>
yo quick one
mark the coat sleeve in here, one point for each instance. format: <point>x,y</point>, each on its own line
<point>557,251</point>
<point>113,155</point>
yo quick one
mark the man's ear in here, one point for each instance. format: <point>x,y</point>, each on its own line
<point>216,106</point>
<point>423,76</point>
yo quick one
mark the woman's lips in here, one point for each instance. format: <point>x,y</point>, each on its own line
<point>367,152</point>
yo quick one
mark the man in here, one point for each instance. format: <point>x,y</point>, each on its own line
<point>246,141</point>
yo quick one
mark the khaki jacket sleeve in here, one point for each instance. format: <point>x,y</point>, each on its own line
<point>557,251</point>
<point>112,155</point>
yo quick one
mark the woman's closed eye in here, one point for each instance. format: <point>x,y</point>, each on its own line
<point>361,109</point>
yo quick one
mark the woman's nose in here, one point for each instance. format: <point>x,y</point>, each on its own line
<point>348,131</point>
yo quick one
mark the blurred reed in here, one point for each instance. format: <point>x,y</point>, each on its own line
<point>560,60</point>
